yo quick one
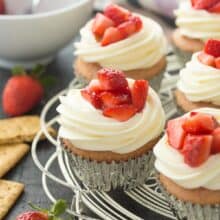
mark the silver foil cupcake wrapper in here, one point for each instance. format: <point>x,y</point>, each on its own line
<point>107,176</point>
<point>190,211</point>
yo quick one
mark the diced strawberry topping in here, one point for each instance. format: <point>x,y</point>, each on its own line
<point>117,13</point>
<point>199,124</point>
<point>212,47</point>
<point>100,24</point>
<point>196,149</point>
<point>139,94</point>
<point>175,132</point>
<point>203,4</point>
<point>131,26</point>
<point>216,141</point>
<point>217,63</point>
<point>206,59</point>
<point>92,97</point>
<point>121,112</point>
<point>112,79</point>
<point>2,7</point>
<point>215,8</point>
<point>95,86</point>
<point>111,35</point>
<point>110,99</point>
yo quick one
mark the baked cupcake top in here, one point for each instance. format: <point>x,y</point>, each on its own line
<point>111,114</point>
<point>189,152</point>
<point>199,80</point>
<point>199,19</point>
<point>122,40</point>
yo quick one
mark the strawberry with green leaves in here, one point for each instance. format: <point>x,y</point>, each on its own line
<point>54,213</point>
<point>24,91</point>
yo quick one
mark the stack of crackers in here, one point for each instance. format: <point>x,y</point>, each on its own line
<point>15,133</point>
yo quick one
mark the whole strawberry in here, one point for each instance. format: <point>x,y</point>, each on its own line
<point>23,91</point>
<point>43,214</point>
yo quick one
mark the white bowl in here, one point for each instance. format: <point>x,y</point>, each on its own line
<point>36,38</point>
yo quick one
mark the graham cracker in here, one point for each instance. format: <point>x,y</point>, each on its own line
<point>88,71</point>
<point>9,193</point>
<point>10,155</point>
<point>20,129</point>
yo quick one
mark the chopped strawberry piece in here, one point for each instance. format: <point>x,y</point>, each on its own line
<point>95,86</point>
<point>212,47</point>
<point>175,133</point>
<point>139,94</point>
<point>217,63</point>
<point>2,7</point>
<point>203,4</point>
<point>206,59</point>
<point>92,97</point>
<point>200,123</point>
<point>111,35</point>
<point>111,99</point>
<point>117,13</point>
<point>131,26</point>
<point>196,149</point>
<point>216,141</point>
<point>121,112</point>
<point>100,24</point>
<point>215,8</point>
<point>112,79</point>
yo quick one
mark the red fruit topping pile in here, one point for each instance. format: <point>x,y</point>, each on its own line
<point>209,5</point>
<point>115,24</point>
<point>211,54</point>
<point>112,94</point>
<point>196,137</point>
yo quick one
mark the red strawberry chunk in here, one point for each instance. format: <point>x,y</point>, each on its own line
<point>112,80</point>
<point>203,4</point>
<point>200,124</point>
<point>92,97</point>
<point>217,63</point>
<point>139,94</point>
<point>215,8</point>
<point>212,47</point>
<point>216,141</point>
<point>32,215</point>
<point>111,35</point>
<point>175,132</point>
<point>2,7</point>
<point>112,99</point>
<point>131,26</point>
<point>120,113</point>
<point>100,24</point>
<point>117,13</point>
<point>196,149</point>
<point>95,86</point>
<point>206,59</point>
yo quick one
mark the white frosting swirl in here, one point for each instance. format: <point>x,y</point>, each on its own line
<point>139,51</point>
<point>88,129</point>
<point>200,82</point>
<point>170,163</point>
<point>198,24</point>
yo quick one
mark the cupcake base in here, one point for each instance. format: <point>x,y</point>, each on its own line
<point>193,204</point>
<point>186,44</point>
<point>88,71</point>
<point>110,172</point>
<point>187,105</point>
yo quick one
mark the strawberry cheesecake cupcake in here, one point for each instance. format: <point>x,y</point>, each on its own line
<point>188,161</point>
<point>199,85</point>
<point>121,40</point>
<point>197,21</point>
<point>109,129</point>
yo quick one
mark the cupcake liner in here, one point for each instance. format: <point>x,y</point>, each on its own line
<point>107,176</point>
<point>155,81</point>
<point>188,210</point>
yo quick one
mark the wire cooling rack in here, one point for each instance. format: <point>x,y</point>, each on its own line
<point>101,203</point>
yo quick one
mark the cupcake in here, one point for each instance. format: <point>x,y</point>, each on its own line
<point>199,85</point>
<point>109,129</point>
<point>188,161</point>
<point>197,21</point>
<point>121,40</point>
